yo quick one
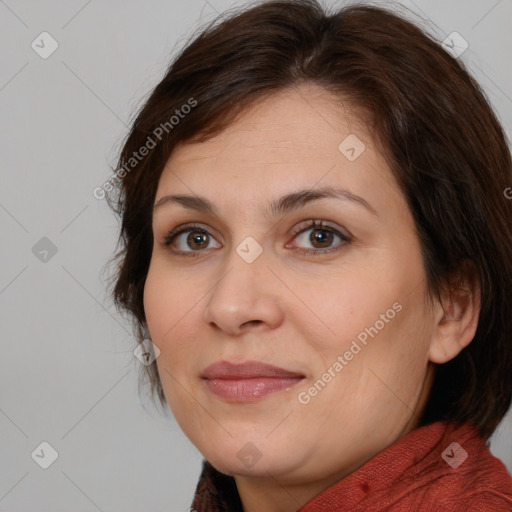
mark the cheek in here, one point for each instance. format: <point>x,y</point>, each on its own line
<point>395,359</point>
<point>346,305</point>
<point>157,301</point>
<point>167,306</point>
<point>174,304</point>
<point>378,318</point>
<point>169,313</point>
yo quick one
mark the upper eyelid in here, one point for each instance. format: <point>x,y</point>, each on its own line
<point>305,225</point>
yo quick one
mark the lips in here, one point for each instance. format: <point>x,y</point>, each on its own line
<point>248,381</point>
<point>247,370</point>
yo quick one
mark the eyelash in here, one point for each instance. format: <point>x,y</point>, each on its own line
<point>320,225</point>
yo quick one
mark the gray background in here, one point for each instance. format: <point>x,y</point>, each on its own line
<point>67,372</point>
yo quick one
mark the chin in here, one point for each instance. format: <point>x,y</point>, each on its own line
<point>260,469</point>
<point>246,459</point>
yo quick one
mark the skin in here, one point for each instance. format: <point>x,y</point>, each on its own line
<point>295,310</point>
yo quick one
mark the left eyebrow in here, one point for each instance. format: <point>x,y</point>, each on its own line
<point>278,206</point>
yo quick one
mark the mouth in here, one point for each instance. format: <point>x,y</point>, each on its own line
<point>248,381</point>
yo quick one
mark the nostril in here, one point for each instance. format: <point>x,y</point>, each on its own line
<point>252,322</point>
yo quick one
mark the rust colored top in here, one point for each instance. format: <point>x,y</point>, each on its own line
<point>439,467</point>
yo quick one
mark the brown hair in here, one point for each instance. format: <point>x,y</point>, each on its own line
<point>431,120</point>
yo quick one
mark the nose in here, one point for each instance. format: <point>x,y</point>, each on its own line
<point>246,297</point>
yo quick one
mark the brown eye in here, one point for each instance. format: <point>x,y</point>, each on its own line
<point>197,240</point>
<point>321,238</point>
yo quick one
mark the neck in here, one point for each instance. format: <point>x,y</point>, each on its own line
<point>272,495</point>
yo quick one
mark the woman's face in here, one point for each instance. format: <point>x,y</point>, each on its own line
<point>341,306</point>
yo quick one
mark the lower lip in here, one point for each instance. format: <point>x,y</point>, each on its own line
<point>248,390</point>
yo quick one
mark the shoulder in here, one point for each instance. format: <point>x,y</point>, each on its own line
<point>483,501</point>
<point>460,474</point>
<point>482,487</point>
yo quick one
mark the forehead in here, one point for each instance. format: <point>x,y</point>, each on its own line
<point>296,138</point>
<point>304,120</point>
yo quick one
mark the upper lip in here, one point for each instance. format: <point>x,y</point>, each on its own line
<point>247,370</point>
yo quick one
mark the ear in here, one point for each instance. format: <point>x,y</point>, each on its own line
<point>457,315</point>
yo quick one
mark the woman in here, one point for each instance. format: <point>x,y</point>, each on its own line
<point>316,238</point>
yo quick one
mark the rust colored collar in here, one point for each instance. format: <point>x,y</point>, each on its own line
<point>439,467</point>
